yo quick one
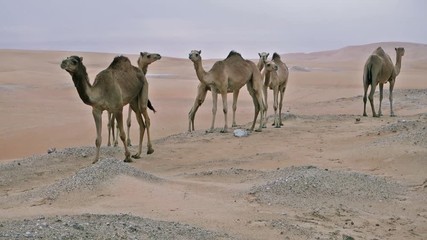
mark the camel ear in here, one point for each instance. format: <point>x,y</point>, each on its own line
<point>268,54</point>
<point>81,59</point>
<point>200,51</point>
<point>259,54</point>
<point>142,53</point>
<point>395,49</point>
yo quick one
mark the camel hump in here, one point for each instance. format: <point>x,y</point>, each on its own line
<point>233,53</point>
<point>120,62</point>
<point>379,51</point>
<point>276,56</point>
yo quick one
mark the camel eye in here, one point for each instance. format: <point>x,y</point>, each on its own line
<point>197,54</point>
<point>268,65</point>
<point>149,56</point>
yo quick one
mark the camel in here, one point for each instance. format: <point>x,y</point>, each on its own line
<point>379,69</point>
<point>275,79</point>
<point>116,86</point>
<point>262,59</point>
<point>229,75</point>
<point>144,60</point>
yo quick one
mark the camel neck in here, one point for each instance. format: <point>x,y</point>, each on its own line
<point>81,82</point>
<point>144,68</point>
<point>260,64</point>
<point>200,72</point>
<point>398,64</point>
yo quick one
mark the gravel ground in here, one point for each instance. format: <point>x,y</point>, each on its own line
<point>90,226</point>
<point>86,178</point>
<point>310,187</point>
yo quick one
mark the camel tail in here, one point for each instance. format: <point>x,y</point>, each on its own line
<point>150,106</point>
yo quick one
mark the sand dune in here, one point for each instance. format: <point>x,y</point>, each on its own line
<point>328,173</point>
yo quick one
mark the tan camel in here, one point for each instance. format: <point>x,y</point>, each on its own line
<point>202,90</point>
<point>379,69</point>
<point>144,60</point>
<point>262,59</point>
<point>229,75</point>
<point>118,85</point>
<point>277,81</point>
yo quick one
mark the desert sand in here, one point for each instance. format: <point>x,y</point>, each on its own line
<point>328,173</point>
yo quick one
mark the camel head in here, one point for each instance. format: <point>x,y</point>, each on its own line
<point>270,66</point>
<point>148,58</point>
<point>400,51</point>
<point>263,56</point>
<point>195,55</point>
<point>72,64</point>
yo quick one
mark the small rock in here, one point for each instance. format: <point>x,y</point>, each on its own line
<point>240,133</point>
<point>51,150</point>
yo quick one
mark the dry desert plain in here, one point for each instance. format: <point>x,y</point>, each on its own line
<point>323,175</point>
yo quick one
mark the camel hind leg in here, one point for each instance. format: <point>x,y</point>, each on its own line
<point>391,98</point>
<point>119,119</point>
<point>256,95</point>
<point>128,124</point>
<point>282,93</point>
<point>275,106</point>
<point>381,86</point>
<point>110,128</point>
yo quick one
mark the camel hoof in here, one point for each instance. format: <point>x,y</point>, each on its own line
<point>95,161</point>
<point>365,115</point>
<point>128,160</point>
<point>150,151</point>
<point>393,115</point>
<point>223,131</point>
<point>136,156</point>
<point>258,130</point>
<point>277,126</point>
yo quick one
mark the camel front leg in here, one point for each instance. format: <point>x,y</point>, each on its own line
<point>144,111</point>
<point>200,98</point>
<point>119,119</point>
<point>225,110</point>
<point>214,106</point>
<point>282,93</point>
<point>381,98</point>
<point>141,124</point>
<point>265,91</point>
<point>275,105</point>
<point>97,115</point>
<point>110,128</point>
<point>128,123</point>
<point>391,98</point>
<point>235,96</point>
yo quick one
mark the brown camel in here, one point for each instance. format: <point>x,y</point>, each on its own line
<point>118,85</point>
<point>277,81</point>
<point>379,69</point>
<point>144,60</point>
<point>262,59</point>
<point>229,75</point>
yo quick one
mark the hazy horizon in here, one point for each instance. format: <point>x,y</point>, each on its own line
<point>174,28</point>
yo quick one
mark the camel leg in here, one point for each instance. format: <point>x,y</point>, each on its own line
<point>214,107</point>
<point>225,110</point>
<point>365,98</point>
<point>200,98</point>
<point>265,90</point>
<point>144,111</point>
<point>110,128</point>
<point>128,123</point>
<point>381,85</point>
<point>282,93</point>
<point>116,134</point>
<point>119,119</point>
<point>141,124</point>
<point>258,104</point>
<point>371,100</point>
<point>391,98</point>
<point>275,105</point>
<point>97,115</point>
<point>235,96</point>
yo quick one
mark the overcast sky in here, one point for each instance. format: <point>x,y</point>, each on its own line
<point>174,27</point>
